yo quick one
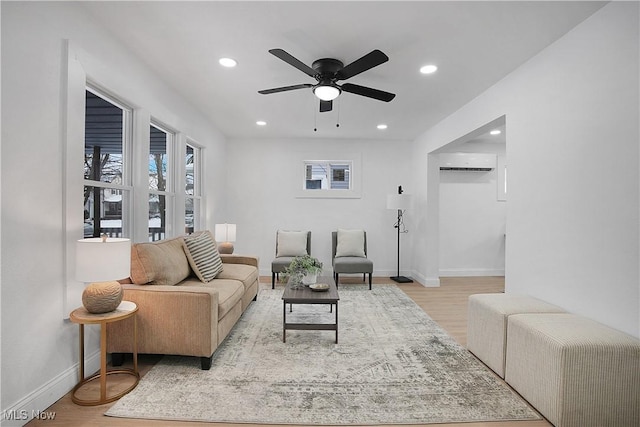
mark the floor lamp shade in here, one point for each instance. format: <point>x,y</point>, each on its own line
<point>102,261</point>
<point>226,235</point>
<point>398,201</point>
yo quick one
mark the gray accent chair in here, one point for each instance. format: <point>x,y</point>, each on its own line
<point>279,264</point>
<point>350,264</point>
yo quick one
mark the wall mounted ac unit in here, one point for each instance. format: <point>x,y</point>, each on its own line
<point>477,162</point>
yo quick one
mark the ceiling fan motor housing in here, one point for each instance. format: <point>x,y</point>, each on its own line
<point>327,68</point>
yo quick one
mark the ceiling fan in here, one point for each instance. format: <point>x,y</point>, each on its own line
<point>328,71</point>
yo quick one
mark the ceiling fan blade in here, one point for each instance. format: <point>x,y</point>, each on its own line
<point>368,92</point>
<point>370,60</point>
<point>285,88</point>
<point>326,106</point>
<point>293,61</point>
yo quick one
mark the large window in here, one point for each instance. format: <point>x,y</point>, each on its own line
<point>111,154</point>
<point>106,180</point>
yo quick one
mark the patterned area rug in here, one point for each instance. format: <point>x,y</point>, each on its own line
<point>393,365</point>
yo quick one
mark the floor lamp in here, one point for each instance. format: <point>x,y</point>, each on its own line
<point>399,203</point>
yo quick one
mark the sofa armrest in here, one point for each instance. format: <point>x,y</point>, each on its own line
<point>240,259</point>
<point>171,320</point>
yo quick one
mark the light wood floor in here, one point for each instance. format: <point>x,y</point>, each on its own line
<point>447,305</point>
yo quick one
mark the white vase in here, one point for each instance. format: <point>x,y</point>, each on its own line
<point>309,278</point>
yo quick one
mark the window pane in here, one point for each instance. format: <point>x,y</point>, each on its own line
<point>188,215</point>
<point>157,215</point>
<point>157,159</point>
<point>192,188</point>
<point>108,212</point>
<point>190,173</point>
<point>316,176</point>
<point>103,140</point>
<point>340,177</point>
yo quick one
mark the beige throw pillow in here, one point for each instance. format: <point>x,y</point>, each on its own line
<point>159,263</point>
<point>291,243</point>
<point>350,243</point>
<point>203,256</point>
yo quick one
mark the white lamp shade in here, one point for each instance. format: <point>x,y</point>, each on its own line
<point>225,232</point>
<point>101,261</point>
<point>398,201</point>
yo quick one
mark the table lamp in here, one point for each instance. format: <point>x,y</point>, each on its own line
<point>102,260</point>
<point>400,203</point>
<point>225,234</point>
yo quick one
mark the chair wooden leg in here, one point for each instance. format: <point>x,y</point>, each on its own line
<point>370,274</point>
<point>337,278</point>
<point>273,280</point>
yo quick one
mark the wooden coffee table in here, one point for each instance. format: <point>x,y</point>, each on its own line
<point>304,295</point>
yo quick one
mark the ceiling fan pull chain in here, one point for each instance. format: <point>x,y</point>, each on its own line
<point>315,120</point>
<point>338,120</point>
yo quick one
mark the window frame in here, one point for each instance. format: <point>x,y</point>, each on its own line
<point>169,193</point>
<point>126,185</point>
<point>197,196</point>
<point>354,191</point>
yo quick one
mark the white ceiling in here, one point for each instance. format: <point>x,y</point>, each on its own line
<point>474,44</point>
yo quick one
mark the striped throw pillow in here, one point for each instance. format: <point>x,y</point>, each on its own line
<point>203,255</point>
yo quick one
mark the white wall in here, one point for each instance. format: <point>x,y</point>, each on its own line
<point>264,177</point>
<point>39,348</point>
<point>573,204</point>
<point>472,220</point>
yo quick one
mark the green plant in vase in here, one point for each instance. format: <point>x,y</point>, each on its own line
<point>303,270</point>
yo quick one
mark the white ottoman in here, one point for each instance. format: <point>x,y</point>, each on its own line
<point>487,324</point>
<point>575,371</point>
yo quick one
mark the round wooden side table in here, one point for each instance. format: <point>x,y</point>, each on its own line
<point>82,317</point>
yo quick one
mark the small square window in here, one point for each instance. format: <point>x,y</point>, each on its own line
<point>326,175</point>
<point>329,179</point>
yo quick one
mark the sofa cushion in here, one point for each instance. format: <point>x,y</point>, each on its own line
<point>247,274</point>
<point>203,255</point>
<point>291,243</point>
<point>229,293</point>
<point>350,243</point>
<point>159,263</point>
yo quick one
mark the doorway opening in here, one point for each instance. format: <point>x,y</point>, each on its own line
<point>471,203</point>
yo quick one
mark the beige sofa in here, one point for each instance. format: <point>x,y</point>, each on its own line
<point>177,312</point>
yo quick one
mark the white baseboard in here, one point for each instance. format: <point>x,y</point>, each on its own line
<point>467,272</point>
<point>34,404</point>
<point>427,282</point>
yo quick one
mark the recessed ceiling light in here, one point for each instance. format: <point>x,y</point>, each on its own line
<point>382,126</point>
<point>428,69</point>
<point>495,132</point>
<point>261,123</point>
<point>227,62</point>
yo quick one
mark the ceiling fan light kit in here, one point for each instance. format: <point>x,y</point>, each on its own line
<point>328,71</point>
<point>327,92</point>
